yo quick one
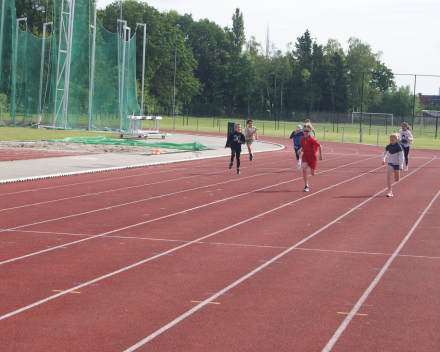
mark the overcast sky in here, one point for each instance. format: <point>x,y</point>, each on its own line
<point>406,31</point>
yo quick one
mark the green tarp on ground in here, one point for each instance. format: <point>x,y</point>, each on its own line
<point>130,142</point>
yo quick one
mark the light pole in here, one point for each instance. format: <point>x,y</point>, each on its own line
<point>174,86</point>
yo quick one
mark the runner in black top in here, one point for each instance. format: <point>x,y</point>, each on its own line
<point>235,140</point>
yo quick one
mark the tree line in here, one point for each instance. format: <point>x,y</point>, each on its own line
<point>219,67</point>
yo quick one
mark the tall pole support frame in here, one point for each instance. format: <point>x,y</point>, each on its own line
<point>14,68</point>
<point>2,20</point>
<point>144,25</point>
<point>67,69</point>
<point>92,71</point>
<point>40,91</point>
<point>175,67</point>
<point>121,93</point>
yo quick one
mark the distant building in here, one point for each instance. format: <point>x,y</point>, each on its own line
<point>432,100</point>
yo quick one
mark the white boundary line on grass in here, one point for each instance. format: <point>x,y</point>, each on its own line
<point>367,292</point>
<point>219,293</point>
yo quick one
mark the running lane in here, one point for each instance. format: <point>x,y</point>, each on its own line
<point>293,302</point>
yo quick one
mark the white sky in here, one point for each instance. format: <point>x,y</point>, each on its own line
<point>406,31</point>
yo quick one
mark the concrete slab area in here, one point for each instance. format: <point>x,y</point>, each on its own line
<point>22,170</point>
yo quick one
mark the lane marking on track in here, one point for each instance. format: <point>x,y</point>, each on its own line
<point>202,301</point>
<point>137,175</point>
<point>128,176</point>
<point>172,180</point>
<point>90,171</point>
<point>131,187</point>
<point>65,291</point>
<point>225,294</point>
<point>263,266</point>
<point>173,214</point>
<point>349,313</point>
<point>367,292</point>
<point>236,244</point>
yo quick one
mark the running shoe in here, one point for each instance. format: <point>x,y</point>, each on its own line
<point>390,194</point>
<point>306,189</point>
<point>230,165</point>
<point>298,165</point>
<point>406,168</point>
<point>251,157</point>
<point>238,171</point>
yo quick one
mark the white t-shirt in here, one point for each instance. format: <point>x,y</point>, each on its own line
<point>406,138</point>
<point>249,130</point>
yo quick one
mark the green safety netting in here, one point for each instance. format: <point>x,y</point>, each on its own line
<point>20,64</point>
<point>130,142</point>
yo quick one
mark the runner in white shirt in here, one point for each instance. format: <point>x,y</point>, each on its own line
<point>406,138</point>
<point>249,133</point>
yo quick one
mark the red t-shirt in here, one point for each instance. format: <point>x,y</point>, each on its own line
<point>309,144</point>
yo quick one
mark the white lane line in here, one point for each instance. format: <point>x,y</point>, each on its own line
<point>124,167</point>
<point>236,283</point>
<point>160,196</point>
<point>166,216</point>
<point>142,174</point>
<point>367,292</point>
<point>125,188</point>
<point>228,244</point>
<point>180,247</point>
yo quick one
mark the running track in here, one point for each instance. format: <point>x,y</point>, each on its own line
<point>192,257</point>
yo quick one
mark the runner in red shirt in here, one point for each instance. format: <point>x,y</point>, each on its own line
<point>309,147</point>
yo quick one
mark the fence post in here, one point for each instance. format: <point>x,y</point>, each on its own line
<point>324,134</point>
<point>174,123</point>
<point>284,130</point>
<point>377,136</point>
<point>421,121</point>
<point>360,137</point>
<point>343,130</point>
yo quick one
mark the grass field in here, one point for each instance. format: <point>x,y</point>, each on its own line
<point>342,133</point>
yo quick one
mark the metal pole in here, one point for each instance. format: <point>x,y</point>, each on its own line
<point>143,65</point>
<point>1,34</point>
<point>121,92</point>
<point>67,69</point>
<point>414,100</point>
<point>92,73</point>
<point>174,86</point>
<point>378,137</point>
<point>40,92</point>
<point>120,18</point>
<point>14,71</point>
<point>362,103</point>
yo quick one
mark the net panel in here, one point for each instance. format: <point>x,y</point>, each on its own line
<point>20,63</point>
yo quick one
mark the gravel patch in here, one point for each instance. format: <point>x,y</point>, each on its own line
<point>80,147</point>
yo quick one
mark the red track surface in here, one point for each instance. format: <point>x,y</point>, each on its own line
<point>246,262</point>
<point>11,154</point>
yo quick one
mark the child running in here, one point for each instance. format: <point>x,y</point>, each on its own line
<point>406,138</point>
<point>395,160</point>
<point>313,130</point>
<point>309,146</point>
<point>249,133</point>
<point>297,135</point>
<point>234,141</point>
